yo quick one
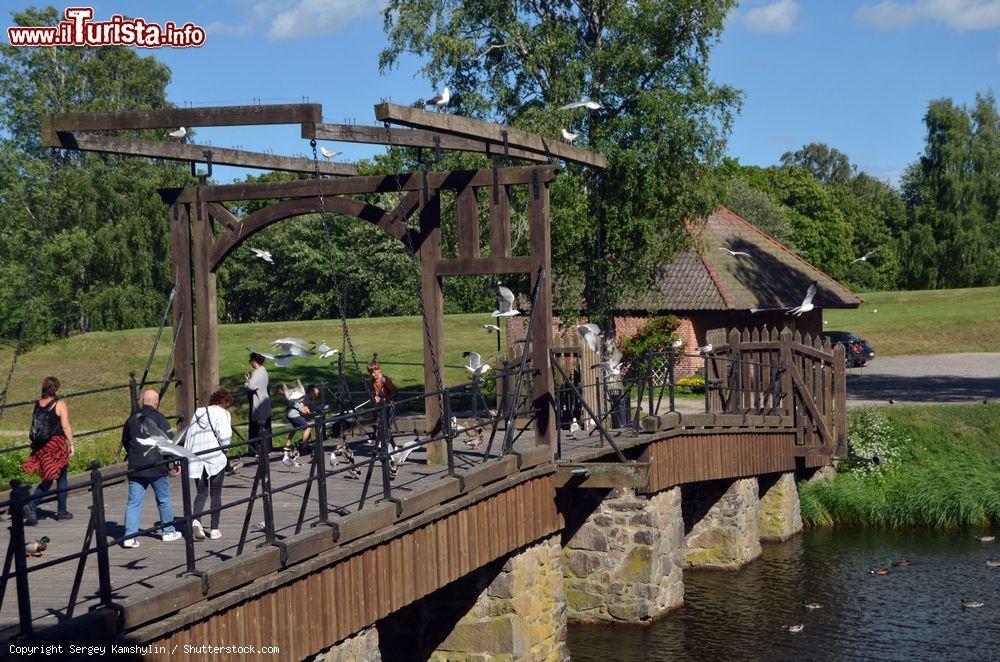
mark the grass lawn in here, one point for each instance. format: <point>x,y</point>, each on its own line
<point>947,473</point>
<point>922,322</point>
<point>94,360</point>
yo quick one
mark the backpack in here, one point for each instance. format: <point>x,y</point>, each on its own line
<point>41,428</point>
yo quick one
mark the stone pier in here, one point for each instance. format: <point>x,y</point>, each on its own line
<point>511,609</point>
<point>722,523</point>
<point>780,516</point>
<point>361,647</point>
<point>621,555</point>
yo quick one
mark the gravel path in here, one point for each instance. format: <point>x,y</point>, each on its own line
<point>925,379</point>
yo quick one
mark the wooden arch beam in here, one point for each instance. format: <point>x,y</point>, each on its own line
<point>392,223</point>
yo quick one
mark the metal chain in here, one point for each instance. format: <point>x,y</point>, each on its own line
<point>27,303</point>
<point>337,290</point>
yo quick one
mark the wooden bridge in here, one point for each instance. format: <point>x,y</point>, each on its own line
<point>415,555</point>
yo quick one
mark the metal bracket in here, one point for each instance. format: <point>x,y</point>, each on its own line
<point>282,547</point>
<point>437,148</point>
<point>202,179</point>
<point>197,573</point>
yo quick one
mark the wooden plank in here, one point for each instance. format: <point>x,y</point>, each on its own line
<point>817,420</point>
<point>175,151</point>
<point>414,181</point>
<point>497,134</point>
<point>376,135</point>
<point>206,310</point>
<point>432,297</point>
<point>499,221</point>
<point>171,118</point>
<point>541,340</point>
<point>468,224</point>
<point>183,312</point>
<point>484,266</point>
<point>601,475</point>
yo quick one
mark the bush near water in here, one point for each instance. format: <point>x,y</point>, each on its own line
<point>942,470</point>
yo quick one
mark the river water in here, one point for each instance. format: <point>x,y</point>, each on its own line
<point>912,613</point>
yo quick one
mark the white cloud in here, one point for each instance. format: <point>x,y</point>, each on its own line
<point>219,28</point>
<point>777,17</point>
<point>956,14</point>
<point>310,18</point>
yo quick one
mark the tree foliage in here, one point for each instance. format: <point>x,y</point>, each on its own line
<point>662,124</point>
<point>829,165</point>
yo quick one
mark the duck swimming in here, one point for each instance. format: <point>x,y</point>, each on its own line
<point>972,604</point>
<point>993,564</point>
<point>798,627</point>
<point>901,563</point>
<point>879,571</point>
<point>985,538</point>
<point>811,605</point>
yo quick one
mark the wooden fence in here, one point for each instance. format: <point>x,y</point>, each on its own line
<point>764,371</point>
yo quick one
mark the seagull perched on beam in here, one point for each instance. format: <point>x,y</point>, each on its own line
<point>441,100</point>
<point>735,253</point>
<point>582,103</point>
<point>505,303</point>
<point>179,134</point>
<point>264,255</point>
<point>328,154</point>
<point>476,365</point>
<point>864,258</point>
<point>589,333</point>
<point>569,136</point>
<point>705,349</point>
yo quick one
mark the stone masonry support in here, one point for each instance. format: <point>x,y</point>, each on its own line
<point>722,522</point>
<point>511,609</point>
<point>780,515</point>
<point>621,555</point>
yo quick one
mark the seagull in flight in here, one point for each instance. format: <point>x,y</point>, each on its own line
<point>293,394</point>
<point>734,253</point>
<point>505,303</point>
<point>582,103</point>
<point>864,258</point>
<point>264,255</point>
<point>324,351</point>
<point>293,346</point>
<point>476,365</point>
<point>569,136</point>
<point>609,368</point>
<point>441,100</point>
<point>328,154</point>
<point>491,328</point>
<point>589,333</point>
<point>807,302</point>
<point>178,134</point>
<point>158,438</point>
<point>280,360</point>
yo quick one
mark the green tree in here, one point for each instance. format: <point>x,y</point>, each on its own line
<point>662,124</point>
<point>829,165</point>
<point>760,209</point>
<point>102,220</point>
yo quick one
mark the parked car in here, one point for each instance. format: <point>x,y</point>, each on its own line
<point>858,350</point>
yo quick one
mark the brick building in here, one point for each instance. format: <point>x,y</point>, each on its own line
<point>707,288</point>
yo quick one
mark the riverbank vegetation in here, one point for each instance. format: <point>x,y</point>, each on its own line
<point>937,466</point>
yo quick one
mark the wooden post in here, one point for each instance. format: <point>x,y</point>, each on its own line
<point>840,398</point>
<point>180,252</point>
<point>468,224</point>
<point>433,301</point>
<point>499,222</point>
<point>541,341</point>
<point>786,375</point>
<point>207,340</point>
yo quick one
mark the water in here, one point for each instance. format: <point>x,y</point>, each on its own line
<point>913,613</point>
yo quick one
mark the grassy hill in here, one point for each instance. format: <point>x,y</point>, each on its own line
<point>922,322</point>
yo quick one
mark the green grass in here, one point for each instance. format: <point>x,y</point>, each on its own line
<point>947,475</point>
<point>921,322</point>
<point>94,360</point>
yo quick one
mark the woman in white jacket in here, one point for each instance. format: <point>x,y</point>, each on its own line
<point>210,430</point>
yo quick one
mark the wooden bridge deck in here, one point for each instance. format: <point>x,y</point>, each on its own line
<point>155,563</point>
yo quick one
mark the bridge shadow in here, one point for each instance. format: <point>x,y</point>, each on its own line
<point>929,389</point>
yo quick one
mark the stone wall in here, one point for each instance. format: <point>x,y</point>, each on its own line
<point>722,521</point>
<point>620,554</point>
<point>780,515</point>
<point>361,647</point>
<point>511,609</point>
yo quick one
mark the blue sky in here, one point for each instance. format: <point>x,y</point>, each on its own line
<point>856,74</point>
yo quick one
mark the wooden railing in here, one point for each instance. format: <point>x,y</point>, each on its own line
<point>765,371</point>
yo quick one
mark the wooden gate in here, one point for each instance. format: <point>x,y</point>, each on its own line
<point>764,371</point>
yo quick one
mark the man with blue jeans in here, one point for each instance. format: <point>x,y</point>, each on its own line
<point>146,468</point>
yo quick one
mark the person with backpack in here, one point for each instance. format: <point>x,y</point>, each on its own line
<point>51,448</point>
<point>147,468</point>
<point>210,431</point>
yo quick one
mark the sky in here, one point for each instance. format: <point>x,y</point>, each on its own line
<point>855,74</point>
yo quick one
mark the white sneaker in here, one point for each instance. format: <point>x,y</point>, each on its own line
<point>197,530</point>
<point>170,537</point>
<point>214,534</point>
<point>130,543</point>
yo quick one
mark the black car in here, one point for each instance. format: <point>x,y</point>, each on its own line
<point>857,350</point>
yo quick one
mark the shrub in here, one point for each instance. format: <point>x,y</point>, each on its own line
<point>873,443</point>
<point>694,384</point>
<point>655,335</point>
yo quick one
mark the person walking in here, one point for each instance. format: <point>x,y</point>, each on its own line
<point>210,431</point>
<point>51,449</point>
<point>260,405</point>
<point>147,468</point>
